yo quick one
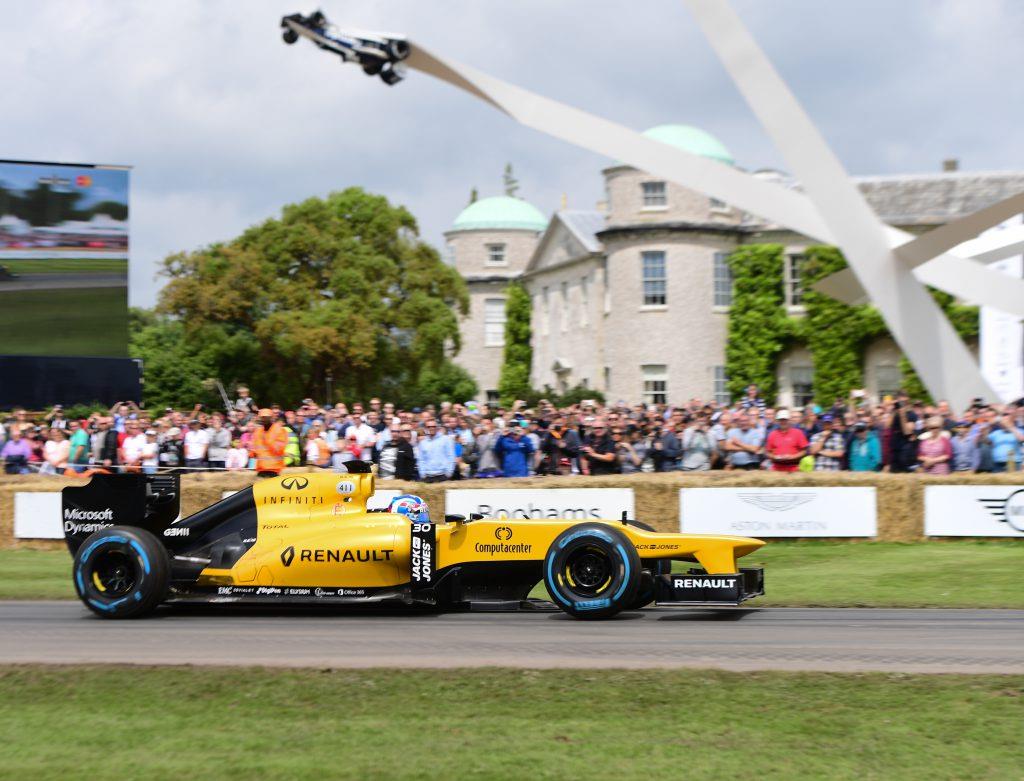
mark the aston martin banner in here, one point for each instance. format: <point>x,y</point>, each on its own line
<point>779,512</point>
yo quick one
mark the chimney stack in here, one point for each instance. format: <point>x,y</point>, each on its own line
<point>950,164</point>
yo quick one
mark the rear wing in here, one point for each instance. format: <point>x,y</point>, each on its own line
<point>151,502</point>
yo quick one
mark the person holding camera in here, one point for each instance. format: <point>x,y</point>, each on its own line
<point>560,446</point>
<point>903,437</point>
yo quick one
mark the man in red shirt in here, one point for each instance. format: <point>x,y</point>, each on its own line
<point>786,445</point>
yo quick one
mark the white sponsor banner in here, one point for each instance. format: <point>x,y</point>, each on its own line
<point>779,512</point>
<point>570,503</point>
<point>37,515</point>
<point>974,511</point>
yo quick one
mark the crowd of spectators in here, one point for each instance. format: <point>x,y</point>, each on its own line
<point>453,441</point>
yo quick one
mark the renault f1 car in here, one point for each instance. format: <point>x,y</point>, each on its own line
<point>309,538</point>
<point>377,54</point>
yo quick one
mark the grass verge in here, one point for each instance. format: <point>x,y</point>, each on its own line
<point>956,573</point>
<point>64,321</point>
<point>116,723</point>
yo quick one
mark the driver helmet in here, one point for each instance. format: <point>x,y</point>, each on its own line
<point>411,506</point>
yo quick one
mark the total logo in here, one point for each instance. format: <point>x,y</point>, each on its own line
<point>1009,510</point>
<point>294,483</point>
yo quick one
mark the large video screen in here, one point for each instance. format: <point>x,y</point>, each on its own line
<point>63,259</point>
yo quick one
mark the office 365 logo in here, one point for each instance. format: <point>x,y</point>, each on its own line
<point>287,555</point>
<point>294,483</point>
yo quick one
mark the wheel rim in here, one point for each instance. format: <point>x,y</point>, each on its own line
<point>114,573</point>
<point>588,571</point>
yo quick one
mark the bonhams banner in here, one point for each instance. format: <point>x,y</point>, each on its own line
<point>779,512</point>
<point>578,504</point>
<point>974,511</point>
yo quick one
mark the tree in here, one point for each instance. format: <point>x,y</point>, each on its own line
<point>514,382</point>
<point>341,284</point>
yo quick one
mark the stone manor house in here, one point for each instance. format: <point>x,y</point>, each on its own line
<point>632,298</point>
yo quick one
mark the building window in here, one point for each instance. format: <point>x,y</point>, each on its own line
<point>607,379</point>
<point>654,278</point>
<point>889,380</point>
<point>493,397</point>
<point>654,194</point>
<point>655,383</point>
<point>449,253</point>
<point>721,386</point>
<point>723,280</point>
<point>794,280</point>
<point>564,315</point>
<point>719,206</point>
<point>801,379</point>
<point>584,301</point>
<point>494,322</point>
<point>495,254</point>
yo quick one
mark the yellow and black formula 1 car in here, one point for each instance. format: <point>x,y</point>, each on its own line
<point>309,538</point>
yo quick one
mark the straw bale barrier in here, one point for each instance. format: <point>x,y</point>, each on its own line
<point>900,497</point>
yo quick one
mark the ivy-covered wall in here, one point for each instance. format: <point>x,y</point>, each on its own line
<point>758,326</point>
<point>835,333</point>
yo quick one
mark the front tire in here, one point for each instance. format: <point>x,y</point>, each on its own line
<point>121,572</point>
<point>592,571</point>
<point>290,36</point>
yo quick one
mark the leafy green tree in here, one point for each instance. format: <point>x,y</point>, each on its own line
<point>341,284</point>
<point>514,381</point>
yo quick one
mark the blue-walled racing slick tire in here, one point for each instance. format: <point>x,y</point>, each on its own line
<point>121,572</point>
<point>592,571</point>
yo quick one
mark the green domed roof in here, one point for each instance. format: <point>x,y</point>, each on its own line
<point>500,212</point>
<point>691,139</point>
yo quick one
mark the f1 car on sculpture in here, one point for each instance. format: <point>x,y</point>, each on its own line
<point>378,54</point>
<point>309,538</point>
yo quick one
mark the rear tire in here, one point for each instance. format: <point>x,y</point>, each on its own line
<point>290,36</point>
<point>121,572</point>
<point>592,571</point>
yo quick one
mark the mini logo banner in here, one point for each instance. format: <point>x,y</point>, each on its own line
<point>974,511</point>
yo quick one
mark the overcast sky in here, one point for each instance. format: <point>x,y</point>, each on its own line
<point>224,124</point>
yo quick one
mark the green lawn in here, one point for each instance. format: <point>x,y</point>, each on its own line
<point>64,322</point>
<point>118,723</point>
<point>871,574</point>
<point>65,265</point>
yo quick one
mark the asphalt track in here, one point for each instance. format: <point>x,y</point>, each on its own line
<point>851,639</point>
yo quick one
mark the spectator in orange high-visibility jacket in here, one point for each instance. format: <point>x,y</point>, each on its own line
<point>269,441</point>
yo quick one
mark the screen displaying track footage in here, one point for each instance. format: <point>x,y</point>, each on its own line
<point>63,259</point>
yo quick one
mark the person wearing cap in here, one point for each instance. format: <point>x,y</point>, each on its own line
<point>150,452</point>
<point>786,445</point>
<point>515,450</point>
<point>965,448</point>
<point>269,441</point>
<point>864,451</point>
<point>828,446</point>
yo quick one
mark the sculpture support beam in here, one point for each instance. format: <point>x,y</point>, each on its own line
<point>915,321</point>
<point>837,214</point>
